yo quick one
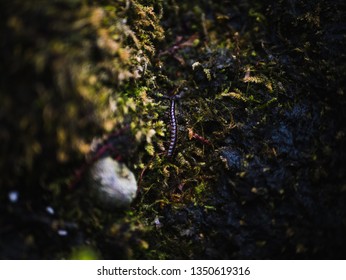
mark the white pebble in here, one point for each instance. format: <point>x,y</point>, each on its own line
<point>112,184</point>
<point>50,210</point>
<point>62,232</point>
<point>13,196</point>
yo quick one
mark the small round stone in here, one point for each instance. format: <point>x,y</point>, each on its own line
<point>13,196</point>
<point>112,184</point>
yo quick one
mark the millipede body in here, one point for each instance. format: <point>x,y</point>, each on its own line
<point>173,129</point>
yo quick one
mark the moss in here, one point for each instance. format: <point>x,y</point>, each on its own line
<point>258,140</point>
<point>238,89</point>
<point>68,75</point>
<point>70,78</point>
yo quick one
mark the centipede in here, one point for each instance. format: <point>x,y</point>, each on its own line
<point>173,129</point>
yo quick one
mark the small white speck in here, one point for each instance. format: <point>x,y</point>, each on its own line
<point>62,232</point>
<point>157,222</point>
<point>13,196</point>
<point>50,210</point>
<point>195,64</point>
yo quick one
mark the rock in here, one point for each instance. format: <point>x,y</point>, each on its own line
<point>111,183</point>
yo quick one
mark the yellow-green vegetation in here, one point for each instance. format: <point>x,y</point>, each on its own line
<point>257,153</point>
<point>72,71</point>
<point>63,67</point>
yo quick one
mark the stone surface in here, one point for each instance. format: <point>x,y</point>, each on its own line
<point>112,184</point>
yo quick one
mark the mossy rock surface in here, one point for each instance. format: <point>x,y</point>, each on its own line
<point>258,169</point>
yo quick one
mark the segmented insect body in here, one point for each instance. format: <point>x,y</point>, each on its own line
<point>173,129</point>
